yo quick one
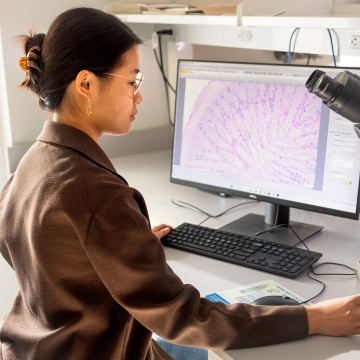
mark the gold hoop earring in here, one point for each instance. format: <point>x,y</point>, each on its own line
<point>88,107</point>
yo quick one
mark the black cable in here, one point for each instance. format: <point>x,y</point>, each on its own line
<point>312,271</point>
<point>166,80</point>
<point>166,92</point>
<point>188,205</point>
<point>319,293</point>
<point>206,219</point>
<point>313,268</point>
<point>296,30</point>
<point>283,225</point>
<point>159,61</point>
<point>353,271</point>
<point>332,47</point>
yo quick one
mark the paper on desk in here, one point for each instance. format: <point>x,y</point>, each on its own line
<point>249,293</point>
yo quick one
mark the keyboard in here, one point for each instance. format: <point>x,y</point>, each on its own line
<point>241,250</point>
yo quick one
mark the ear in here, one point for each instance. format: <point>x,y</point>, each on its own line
<point>84,82</point>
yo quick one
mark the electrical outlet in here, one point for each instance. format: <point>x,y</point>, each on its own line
<point>245,35</point>
<point>355,41</point>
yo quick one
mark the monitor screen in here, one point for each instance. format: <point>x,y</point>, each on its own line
<point>254,130</point>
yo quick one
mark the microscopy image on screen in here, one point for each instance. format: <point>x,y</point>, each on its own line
<point>252,130</point>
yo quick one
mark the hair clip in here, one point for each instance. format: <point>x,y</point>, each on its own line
<point>35,47</point>
<point>32,55</point>
<point>25,61</point>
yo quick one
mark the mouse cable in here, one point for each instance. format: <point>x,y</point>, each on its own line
<point>190,206</point>
<point>313,272</point>
<point>283,225</point>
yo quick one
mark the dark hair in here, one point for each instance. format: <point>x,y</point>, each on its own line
<point>78,39</point>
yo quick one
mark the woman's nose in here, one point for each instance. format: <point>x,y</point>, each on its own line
<point>138,98</point>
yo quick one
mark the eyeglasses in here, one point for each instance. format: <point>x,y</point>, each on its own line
<point>136,82</point>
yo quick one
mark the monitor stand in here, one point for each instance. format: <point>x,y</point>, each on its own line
<point>275,215</point>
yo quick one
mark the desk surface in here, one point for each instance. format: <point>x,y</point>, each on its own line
<point>339,242</point>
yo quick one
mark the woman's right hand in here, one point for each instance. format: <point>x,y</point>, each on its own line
<point>335,317</point>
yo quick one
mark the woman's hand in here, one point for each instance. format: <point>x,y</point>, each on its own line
<point>335,317</point>
<point>161,230</point>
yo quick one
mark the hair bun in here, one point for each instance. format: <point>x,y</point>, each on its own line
<point>32,62</point>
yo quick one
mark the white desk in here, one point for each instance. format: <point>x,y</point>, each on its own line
<point>339,241</point>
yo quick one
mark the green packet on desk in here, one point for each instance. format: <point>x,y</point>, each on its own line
<point>249,293</point>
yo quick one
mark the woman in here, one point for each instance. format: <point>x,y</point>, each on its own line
<point>94,283</point>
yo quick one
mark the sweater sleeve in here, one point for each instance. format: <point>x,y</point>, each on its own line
<point>131,263</point>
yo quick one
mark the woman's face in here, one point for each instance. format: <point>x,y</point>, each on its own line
<point>114,105</point>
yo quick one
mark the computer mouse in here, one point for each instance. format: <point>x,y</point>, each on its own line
<point>275,300</point>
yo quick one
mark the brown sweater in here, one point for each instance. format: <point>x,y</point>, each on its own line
<point>94,282</point>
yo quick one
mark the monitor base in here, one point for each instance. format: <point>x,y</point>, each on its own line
<point>250,224</point>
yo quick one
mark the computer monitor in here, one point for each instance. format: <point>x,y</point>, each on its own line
<point>253,130</point>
